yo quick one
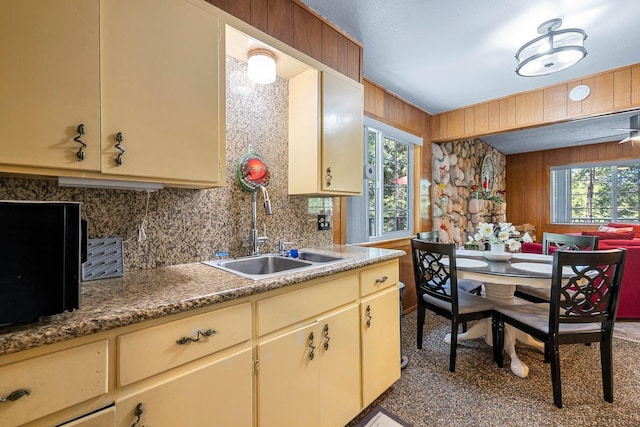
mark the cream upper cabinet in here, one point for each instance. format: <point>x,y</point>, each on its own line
<point>145,78</point>
<point>49,84</point>
<point>325,134</point>
<point>162,80</point>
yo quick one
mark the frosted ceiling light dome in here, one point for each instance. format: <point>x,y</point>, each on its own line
<point>262,66</point>
<point>551,52</point>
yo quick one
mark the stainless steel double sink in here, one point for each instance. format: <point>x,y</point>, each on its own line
<point>270,265</point>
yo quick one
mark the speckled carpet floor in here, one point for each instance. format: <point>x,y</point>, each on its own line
<point>481,394</point>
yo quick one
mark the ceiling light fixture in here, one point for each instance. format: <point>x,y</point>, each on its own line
<point>553,51</point>
<point>262,66</point>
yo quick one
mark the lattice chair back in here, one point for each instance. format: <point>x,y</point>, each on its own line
<point>568,242</point>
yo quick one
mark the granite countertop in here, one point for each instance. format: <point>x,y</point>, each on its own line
<point>152,293</point>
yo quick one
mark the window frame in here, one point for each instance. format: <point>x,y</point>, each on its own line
<point>560,188</point>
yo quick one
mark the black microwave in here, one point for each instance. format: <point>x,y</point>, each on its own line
<point>40,259</point>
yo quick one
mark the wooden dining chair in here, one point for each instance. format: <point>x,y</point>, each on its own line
<point>582,310</point>
<point>467,285</point>
<point>434,266</point>
<point>558,241</point>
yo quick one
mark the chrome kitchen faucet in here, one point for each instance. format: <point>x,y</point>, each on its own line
<point>254,238</point>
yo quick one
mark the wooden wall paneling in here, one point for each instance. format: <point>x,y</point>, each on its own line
<point>455,123</point>
<point>507,112</point>
<point>574,108</point>
<point>279,21</point>
<point>622,88</point>
<point>436,130</point>
<point>493,115</point>
<point>635,85</point>
<point>469,124</point>
<point>330,46</point>
<point>414,119</point>
<point>239,8</point>
<point>307,32</point>
<point>528,181</point>
<point>529,108</point>
<point>373,100</point>
<point>600,100</point>
<point>354,65</point>
<point>555,101</point>
<point>260,14</point>
<point>343,55</point>
<point>481,118</point>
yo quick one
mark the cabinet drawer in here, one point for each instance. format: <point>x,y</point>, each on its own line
<point>287,309</point>
<point>377,278</point>
<point>156,349</point>
<point>55,381</point>
<point>104,418</point>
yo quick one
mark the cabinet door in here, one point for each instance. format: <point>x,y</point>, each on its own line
<point>289,379</point>
<point>162,90</point>
<point>380,323</point>
<point>218,394</point>
<point>342,134</point>
<point>340,370</point>
<point>49,83</point>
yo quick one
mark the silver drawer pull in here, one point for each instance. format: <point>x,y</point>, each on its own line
<point>200,334</point>
<point>15,395</point>
<point>381,279</point>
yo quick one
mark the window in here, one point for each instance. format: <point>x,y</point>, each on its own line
<point>385,209</point>
<point>596,194</point>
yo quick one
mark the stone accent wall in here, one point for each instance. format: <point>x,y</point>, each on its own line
<point>185,226</point>
<point>456,209</point>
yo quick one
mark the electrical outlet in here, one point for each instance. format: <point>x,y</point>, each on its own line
<point>323,223</point>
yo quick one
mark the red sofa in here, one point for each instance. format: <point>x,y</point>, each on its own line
<point>629,305</point>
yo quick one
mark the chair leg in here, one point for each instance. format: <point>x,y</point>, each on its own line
<point>454,346</point>
<point>464,327</point>
<point>555,373</point>
<point>497,331</point>
<point>606,362</point>
<point>421,316</point>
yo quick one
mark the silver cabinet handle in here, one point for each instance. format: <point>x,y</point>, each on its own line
<point>199,334</point>
<point>138,413</point>
<point>15,395</point>
<point>368,315</point>
<point>329,177</point>
<point>381,279</point>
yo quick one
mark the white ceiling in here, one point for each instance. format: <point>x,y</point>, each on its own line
<point>442,54</point>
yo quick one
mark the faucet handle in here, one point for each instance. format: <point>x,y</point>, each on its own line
<point>282,244</point>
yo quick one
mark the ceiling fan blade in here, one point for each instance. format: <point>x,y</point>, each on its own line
<point>625,140</point>
<point>626,129</point>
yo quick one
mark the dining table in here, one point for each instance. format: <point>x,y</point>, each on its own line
<point>501,273</point>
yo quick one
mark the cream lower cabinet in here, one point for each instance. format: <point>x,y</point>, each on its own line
<point>325,134</point>
<point>379,330</point>
<point>216,393</point>
<point>53,382</point>
<point>308,356</point>
<point>311,376</point>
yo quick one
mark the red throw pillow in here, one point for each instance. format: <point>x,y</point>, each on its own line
<point>636,227</point>
<point>606,235</point>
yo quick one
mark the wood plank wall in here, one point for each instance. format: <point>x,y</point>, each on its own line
<point>293,23</point>
<point>528,181</point>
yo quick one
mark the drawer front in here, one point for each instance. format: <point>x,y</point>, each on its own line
<point>287,309</point>
<point>156,349</point>
<point>378,278</point>
<point>55,381</point>
<point>104,418</point>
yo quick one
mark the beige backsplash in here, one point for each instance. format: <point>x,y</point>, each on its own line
<point>191,225</point>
